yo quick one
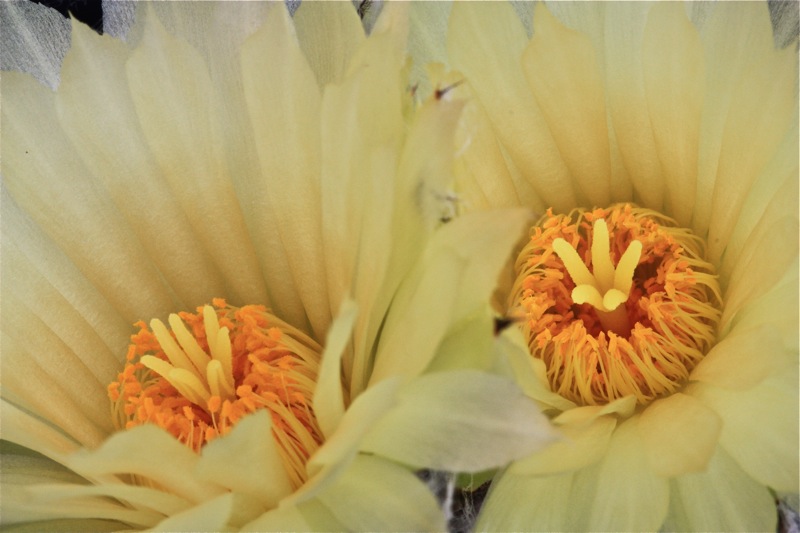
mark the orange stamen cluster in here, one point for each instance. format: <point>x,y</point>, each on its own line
<point>672,308</point>
<point>271,366</point>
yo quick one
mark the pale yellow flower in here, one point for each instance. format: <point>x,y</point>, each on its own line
<point>280,165</point>
<point>690,111</point>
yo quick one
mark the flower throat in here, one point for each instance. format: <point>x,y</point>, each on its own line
<point>636,323</point>
<point>198,380</point>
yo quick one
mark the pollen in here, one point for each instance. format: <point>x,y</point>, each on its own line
<point>616,302</point>
<point>199,377</point>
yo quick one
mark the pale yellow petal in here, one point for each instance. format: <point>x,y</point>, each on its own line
<point>527,503</point>
<point>627,99</point>
<point>467,252</point>
<point>745,357</point>
<point>581,445</point>
<point>426,41</point>
<point>212,515</point>
<point>40,171</point>
<point>680,435</point>
<point>147,451</point>
<point>760,115</point>
<point>329,33</point>
<point>34,433</point>
<point>177,108</point>
<point>627,495</point>
<point>247,461</point>
<point>486,42</point>
<point>674,80</point>
<point>285,92</point>
<point>760,427</point>
<point>566,81</point>
<point>460,421</point>
<point>328,400</point>
<point>723,498</point>
<point>311,515</point>
<point>727,62</point>
<point>95,85</point>
<point>374,494</point>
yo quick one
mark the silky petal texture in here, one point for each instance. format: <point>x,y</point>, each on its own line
<point>582,444</point>
<point>329,34</point>
<point>760,427</point>
<point>745,357</point>
<point>673,77</point>
<point>247,461</point>
<point>365,498</point>
<point>33,39</point>
<point>467,406</point>
<point>95,234</point>
<point>680,435</point>
<point>285,92</point>
<point>147,451</point>
<point>95,85</point>
<point>426,41</point>
<point>328,400</point>
<point>485,42</point>
<point>308,516</point>
<point>212,515</point>
<point>564,77</point>
<point>628,496</point>
<point>469,252</point>
<point>24,429</point>
<point>171,92</point>
<point>723,498</point>
<point>626,97</point>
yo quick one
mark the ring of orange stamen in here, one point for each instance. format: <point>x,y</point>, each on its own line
<point>214,367</point>
<point>670,315</point>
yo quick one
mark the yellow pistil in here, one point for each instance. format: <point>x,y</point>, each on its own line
<point>637,328</point>
<point>214,367</point>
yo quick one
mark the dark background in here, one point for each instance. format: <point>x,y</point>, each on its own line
<point>90,12</point>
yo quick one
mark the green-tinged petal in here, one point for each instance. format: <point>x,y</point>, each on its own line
<point>280,89</point>
<point>461,421</point>
<point>467,345</point>
<point>760,427</point>
<point>35,489</point>
<point>623,407</point>
<point>582,444</point>
<point>679,434</point>
<point>247,461</point>
<point>341,447</point>
<point>529,373</point>
<point>329,33</point>
<point>311,515</point>
<point>215,514</point>
<point>566,81</point>
<point>374,494</point>
<point>426,41</point>
<point>485,42</point>
<point>745,357</point>
<point>723,498</point>
<point>147,451</point>
<point>177,107</point>
<point>59,526</point>
<point>523,503</point>
<point>466,253</point>
<point>628,495</point>
<point>674,81</point>
<point>328,395</point>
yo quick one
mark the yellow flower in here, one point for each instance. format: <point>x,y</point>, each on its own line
<point>279,166</point>
<point>671,366</point>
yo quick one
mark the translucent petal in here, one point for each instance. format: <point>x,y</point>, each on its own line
<point>247,461</point>
<point>723,498</point>
<point>461,421</point>
<point>680,435</point>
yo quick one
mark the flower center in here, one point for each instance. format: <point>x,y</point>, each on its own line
<point>214,367</point>
<point>636,323</point>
